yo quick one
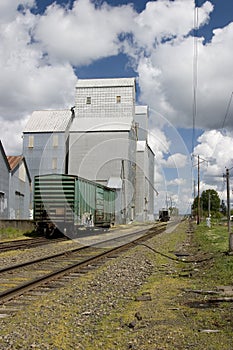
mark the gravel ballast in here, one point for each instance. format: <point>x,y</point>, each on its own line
<point>130,302</point>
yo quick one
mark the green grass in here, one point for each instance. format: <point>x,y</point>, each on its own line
<point>216,242</point>
<point>12,233</point>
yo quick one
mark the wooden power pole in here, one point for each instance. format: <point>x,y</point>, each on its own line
<point>229,212</point>
<point>198,191</point>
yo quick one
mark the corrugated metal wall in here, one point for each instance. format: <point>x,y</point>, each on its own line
<point>46,154</point>
<point>4,186</point>
<point>20,193</point>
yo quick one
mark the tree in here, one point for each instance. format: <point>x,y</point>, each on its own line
<point>209,198</point>
<point>223,207</point>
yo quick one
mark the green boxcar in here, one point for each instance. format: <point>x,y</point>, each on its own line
<point>65,202</point>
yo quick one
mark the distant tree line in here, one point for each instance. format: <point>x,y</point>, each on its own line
<point>210,203</point>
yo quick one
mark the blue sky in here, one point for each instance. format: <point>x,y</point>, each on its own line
<point>45,45</point>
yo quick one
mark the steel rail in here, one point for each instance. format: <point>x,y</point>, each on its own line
<point>20,289</point>
<point>35,261</point>
<point>25,243</point>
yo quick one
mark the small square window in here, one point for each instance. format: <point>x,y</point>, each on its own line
<point>55,140</point>
<point>118,99</point>
<point>31,141</point>
<point>88,100</point>
<point>54,163</point>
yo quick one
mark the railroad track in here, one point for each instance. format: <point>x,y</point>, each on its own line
<point>26,243</point>
<point>19,279</point>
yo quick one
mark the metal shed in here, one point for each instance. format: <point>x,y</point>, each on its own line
<point>4,184</point>
<point>45,141</point>
<point>20,188</point>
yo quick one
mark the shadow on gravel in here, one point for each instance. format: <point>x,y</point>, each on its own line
<point>201,305</point>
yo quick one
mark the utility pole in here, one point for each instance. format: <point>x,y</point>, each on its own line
<point>229,212</point>
<point>198,191</point>
<point>209,204</point>
<point>198,188</point>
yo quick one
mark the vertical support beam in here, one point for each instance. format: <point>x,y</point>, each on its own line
<point>229,213</point>
<point>209,205</point>
<point>198,192</point>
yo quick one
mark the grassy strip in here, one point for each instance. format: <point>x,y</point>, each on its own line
<point>12,233</point>
<point>215,241</point>
<point>174,319</point>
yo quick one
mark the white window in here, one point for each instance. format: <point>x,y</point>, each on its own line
<point>55,140</point>
<point>22,172</point>
<point>88,100</point>
<point>31,141</point>
<point>54,163</point>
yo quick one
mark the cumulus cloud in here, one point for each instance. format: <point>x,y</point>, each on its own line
<point>9,9</point>
<point>176,182</point>
<point>27,81</point>
<point>176,160</point>
<point>215,148</point>
<point>165,20</point>
<point>84,33</point>
<point>12,135</point>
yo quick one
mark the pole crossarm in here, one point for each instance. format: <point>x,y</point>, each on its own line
<point>198,186</point>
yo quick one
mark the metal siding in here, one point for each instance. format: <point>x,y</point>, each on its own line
<point>101,124</point>
<point>97,156</point>
<point>151,178</point>
<point>76,195</point>
<point>20,192</point>
<point>103,101</point>
<point>81,83</point>
<point>140,186</point>
<point>144,179</point>
<point>39,158</point>
<point>4,185</point>
<point>56,195</point>
<point>99,212</point>
<point>85,194</point>
<point>141,117</point>
<point>48,121</point>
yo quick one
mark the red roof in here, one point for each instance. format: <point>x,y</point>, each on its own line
<point>14,161</point>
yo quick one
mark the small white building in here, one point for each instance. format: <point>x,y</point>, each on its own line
<point>20,188</point>
<point>15,187</point>
<point>4,184</point>
<point>45,142</point>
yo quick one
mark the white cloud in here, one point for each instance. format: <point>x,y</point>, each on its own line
<point>166,69</point>
<point>176,182</point>
<point>176,161</point>
<point>27,81</point>
<point>12,135</point>
<point>84,33</point>
<point>215,147</point>
<point>163,20</point>
<point>8,9</point>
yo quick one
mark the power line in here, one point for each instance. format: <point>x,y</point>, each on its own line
<point>227,111</point>
<point>195,68</point>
